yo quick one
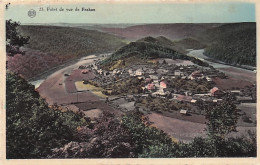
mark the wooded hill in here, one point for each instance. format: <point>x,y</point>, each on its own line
<point>233,43</point>
<point>68,41</point>
<point>50,46</point>
<point>148,48</point>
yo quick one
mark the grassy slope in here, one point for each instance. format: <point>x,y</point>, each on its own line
<point>51,46</point>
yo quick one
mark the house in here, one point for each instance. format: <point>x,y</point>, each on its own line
<point>196,74</point>
<point>184,98</point>
<point>178,73</point>
<point>85,71</point>
<point>106,73</point>
<point>216,100</point>
<point>150,71</point>
<point>140,77</point>
<point>162,92</point>
<point>150,86</point>
<point>235,92</point>
<point>216,92</point>
<point>148,80</point>
<point>139,72</point>
<point>130,71</point>
<point>184,112</point>
<point>163,84</point>
<point>208,79</point>
<point>114,71</point>
<point>154,77</point>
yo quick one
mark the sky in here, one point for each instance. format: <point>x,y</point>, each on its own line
<point>136,13</point>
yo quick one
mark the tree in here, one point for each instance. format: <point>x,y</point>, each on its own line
<point>106,139</point>
<point>145,137</point>
<point>222,119</point>
<point>13,39</point>
<point>32,128</point>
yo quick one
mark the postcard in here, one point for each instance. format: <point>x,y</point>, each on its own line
<point>128,82</point>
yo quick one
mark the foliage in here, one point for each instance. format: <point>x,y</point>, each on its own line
<point>131,85</point>
<point>230,147</point>
<point>149,141</point>
<point>13,39</point>
<point>189,43</point>
<point>235,46</point>
<point>32,128</point>
<point>147,48</point>
<point>51,46</point>
<point>69,42</point>
<point>222,117</point>
<point>107,139</point>
<point>194,86</point>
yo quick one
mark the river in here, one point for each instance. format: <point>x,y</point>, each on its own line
<point>229,70</point>
<point>38,80</point>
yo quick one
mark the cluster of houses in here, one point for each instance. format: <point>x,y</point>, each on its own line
<point>156,79</point>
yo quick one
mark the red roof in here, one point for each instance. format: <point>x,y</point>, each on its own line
<point>148,79</point>
<point>150,86</point>
<point>85,71</point>
<point>213,90</point>
<point>196,74</point>
<point>163,84</point>
<point>184,98</point>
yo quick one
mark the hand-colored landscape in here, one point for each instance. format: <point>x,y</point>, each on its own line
<point>150,90</point>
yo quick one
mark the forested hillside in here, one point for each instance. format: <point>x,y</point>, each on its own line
<point>148,48</point>
<point>69,42</point>
<point>50,46</point>
<point>234,44</point>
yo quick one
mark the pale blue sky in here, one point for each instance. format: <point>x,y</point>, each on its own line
<point>138,13</point>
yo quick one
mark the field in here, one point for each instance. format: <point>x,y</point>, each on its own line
<point>179,129</point>
<point>185,130</point>
<point>231,83</point>
<point>87,87</point>
<point>75,76</point>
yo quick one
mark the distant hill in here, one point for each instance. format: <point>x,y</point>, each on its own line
<point>172,31</point>
<point>52,45</point>
<point>232,43</point>
<point>144,49</point>
<point>189,43</point>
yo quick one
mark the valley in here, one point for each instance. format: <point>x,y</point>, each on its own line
<point>161,88</point>
<point>131,90</point>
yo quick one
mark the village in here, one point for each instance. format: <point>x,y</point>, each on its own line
<point>164,86</point>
